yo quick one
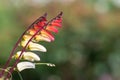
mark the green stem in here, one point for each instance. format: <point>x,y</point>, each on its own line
<point>47,64</point>
<point>20,75</point>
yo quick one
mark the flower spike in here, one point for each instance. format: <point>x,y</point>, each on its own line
<point>39,30</point>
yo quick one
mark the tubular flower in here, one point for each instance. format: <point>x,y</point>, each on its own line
<point>36,47</point>
<point>40,30</point>
<point>25,65</point>
<point>42,38</point>
<point>33,46</point>
<point>30,56</point>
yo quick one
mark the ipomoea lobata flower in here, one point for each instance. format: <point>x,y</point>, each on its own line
<point>25,65</point>
<point>24,42</point>
<point>33,46</point>
<point>39,30</point>
<point>48,34</point>
<point>26,37</point>
<point>36,47</point>
<point>30,56</point>
<point>42,38</point>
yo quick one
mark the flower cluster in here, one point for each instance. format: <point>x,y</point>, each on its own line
<point>25,57</point>
<point>41,30</point>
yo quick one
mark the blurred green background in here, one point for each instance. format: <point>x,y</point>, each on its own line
<point>86,48</point>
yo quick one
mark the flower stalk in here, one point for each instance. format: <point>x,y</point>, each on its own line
<point>40,30</point>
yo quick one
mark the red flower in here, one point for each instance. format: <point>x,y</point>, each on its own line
<point>46,27</point>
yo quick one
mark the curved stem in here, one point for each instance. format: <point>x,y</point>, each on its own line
<point>14,65</point>
<point>13,50</point>
<point>15,46</point>
<point>47,64</point>
<point>20,75</point>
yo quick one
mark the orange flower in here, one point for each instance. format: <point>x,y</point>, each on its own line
<point>31,31</point>
<point>48,34</point>
<point>42,38</point>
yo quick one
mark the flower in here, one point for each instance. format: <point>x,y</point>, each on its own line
<point>42,38</point>
<point>26,37</point>
<point>25,65</point>
<point>36,47</point>
<point>33,46</point>
<point>48,34</point>
<point>30,56</point>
